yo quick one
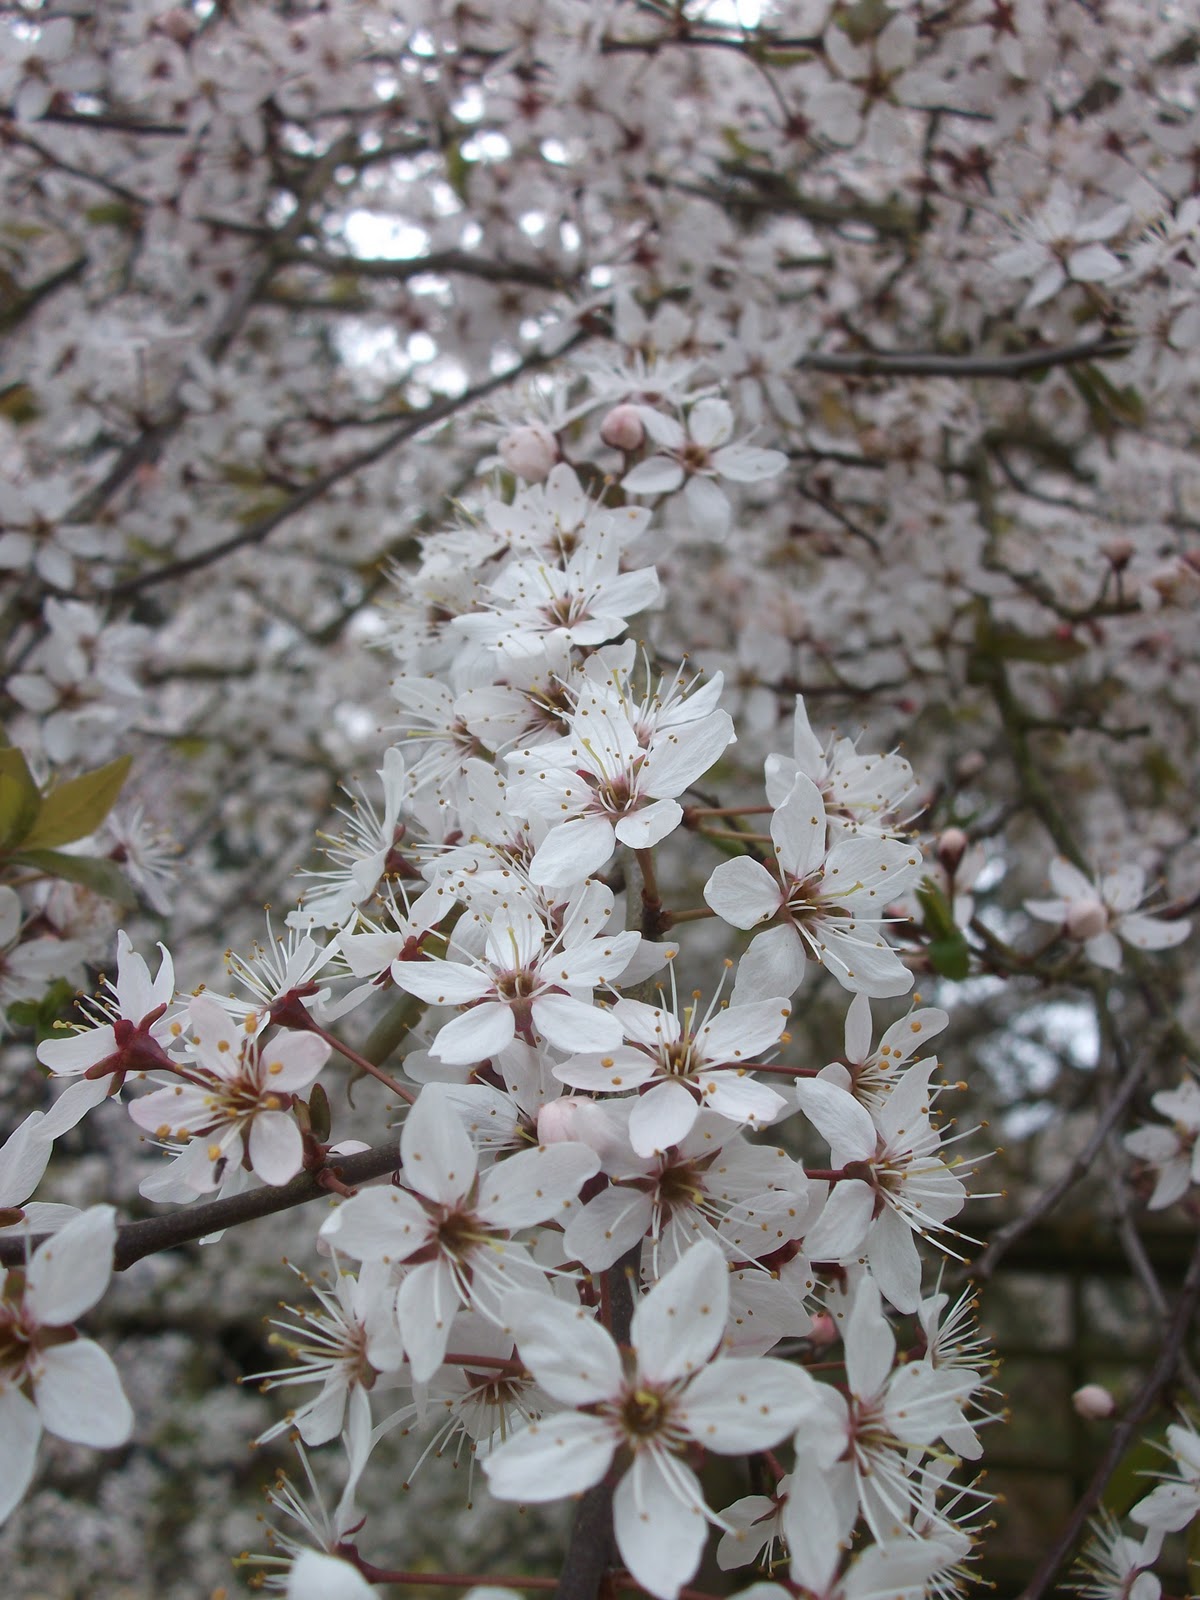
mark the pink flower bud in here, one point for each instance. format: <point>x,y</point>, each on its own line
<point>824,1331</point>
<point>1085,919</point>
<point>951,847</point>
<point>530,451</point>
<point>1093,1401</point>
<point>576,1120</point>
<point>623,429</point>
<point>970,765</point>
<point>1119,553</point>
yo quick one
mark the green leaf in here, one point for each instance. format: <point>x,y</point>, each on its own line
<point>18,403</point>
<point>20,798</point>
<point>950,958</point>
<point>458,168</point>
<point>109,213</point>
<point>319,1118</point>
<point>42,1015</point>
<point>102,877</point>
<point>1008,644</point>
<point>77,807</point>
<point>939,918</point>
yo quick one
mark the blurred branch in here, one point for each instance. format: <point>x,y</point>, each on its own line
<point>1123,1433</point>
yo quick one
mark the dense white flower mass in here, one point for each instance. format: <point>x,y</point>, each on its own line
<point>654,491</point>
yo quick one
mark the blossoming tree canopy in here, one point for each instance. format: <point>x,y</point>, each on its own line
<point>696,504</point>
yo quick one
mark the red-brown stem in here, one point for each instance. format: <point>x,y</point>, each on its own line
<point>444,1580</point>
<point>501,1364</point>
<point>735,833</point>
<point>730,810</point>
<point>788,1072</point>
<point>363,1064</point>
<point>693,915</point>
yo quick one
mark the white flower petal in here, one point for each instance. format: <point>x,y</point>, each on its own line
<point>660,1533</point>
<point>572,1357</point>
<point>70,1272</point>
<point>20,1428</point>
<point>563,1454</point>
<point>79,1395</point>
<point>680,1323</point>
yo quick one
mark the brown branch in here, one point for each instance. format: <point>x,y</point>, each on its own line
<point>1123,1434</point>
<point>29,299</point>
<point>258,530</point>
<point>149,443</point>
<point>932,364</point>
<point>438,261</point>
<point>590,1550</point>
<point>1132,1074</point>
<point>135,1240</point>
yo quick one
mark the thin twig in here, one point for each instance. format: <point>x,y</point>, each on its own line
<point>135,1240</point>
<point>1123,1433</point>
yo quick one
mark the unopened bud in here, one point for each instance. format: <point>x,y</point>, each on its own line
<point>1093,1401</point>
<point>970,765</point>
<point>1118,553</point>
<point>530,451</point>
<point>823,1332</point>
<point>951,847</point>
<point>1085,919</point>
<point>623,429</point>
<point>574,1119</point>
